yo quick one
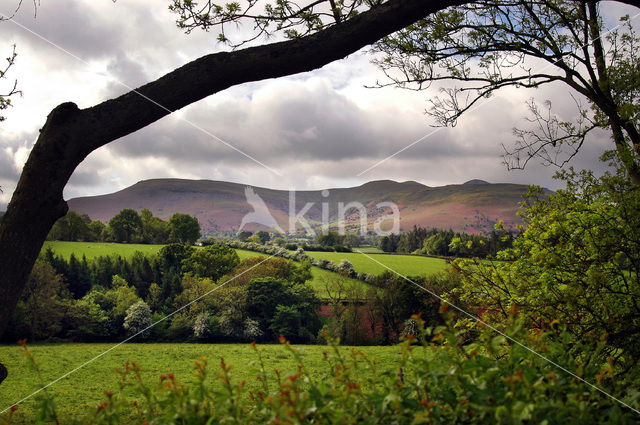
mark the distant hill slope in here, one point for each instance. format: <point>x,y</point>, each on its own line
<point>220,206</point>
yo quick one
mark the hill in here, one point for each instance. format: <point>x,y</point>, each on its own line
<point>472,207</point>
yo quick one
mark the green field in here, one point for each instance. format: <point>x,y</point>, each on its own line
<point>320,276</point>
<point>85,388</point>
<point>96,249</point>
<point>408,265</point>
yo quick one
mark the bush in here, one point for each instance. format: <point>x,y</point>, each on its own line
<point>321,248</point>
<point>341,248</point>
<point>577,262</point>
<point>138,317</point>
<point>212,261</point>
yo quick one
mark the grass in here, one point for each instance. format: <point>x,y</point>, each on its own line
<point>408,265</point>
<point>84,390</point>
<point>320,276</point>
<point>96,249</point>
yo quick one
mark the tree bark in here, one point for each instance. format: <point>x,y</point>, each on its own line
<point>3,373</point>
<point>70,134</point>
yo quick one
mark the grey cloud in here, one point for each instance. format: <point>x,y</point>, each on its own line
<point>310,124</point>
<point>7,167</point>
<point>69,24</point>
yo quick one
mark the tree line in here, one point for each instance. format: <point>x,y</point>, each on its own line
<point>448,243</point>
<point>108,298</point>
<point>128,226</point>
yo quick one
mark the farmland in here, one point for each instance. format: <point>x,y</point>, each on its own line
<point>84,390</point>
<point>96,249</point>
<point>409,265</point>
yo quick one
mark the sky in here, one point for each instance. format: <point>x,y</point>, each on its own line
<point>316,130</point>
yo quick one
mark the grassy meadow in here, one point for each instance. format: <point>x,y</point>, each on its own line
<point>84,390</point>
<point>408,265</point>
<point>96,249</point>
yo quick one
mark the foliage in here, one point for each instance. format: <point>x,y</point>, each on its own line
<point>285,17</point>
<point>282,307</point>
<point>184,228</point>
<point>125,225</point>
<point>138,317</point>
<point>481,47</point>
<point>435,380</point>
<point>212,261</point>
<point>154,230</point>
<point>263,236</point>
<point>576,263</point>
<point>74,227</point>
<point>448,243</point>
<point>40,311</point>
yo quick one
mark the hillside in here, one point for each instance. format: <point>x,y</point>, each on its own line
<point>220,206</point>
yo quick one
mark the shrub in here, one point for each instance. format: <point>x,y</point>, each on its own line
<point>341,248</point>
<point>212,261</point>
<point>138,317</point>
<point>202,326</point>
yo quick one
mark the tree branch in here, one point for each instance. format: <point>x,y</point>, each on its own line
<point>70,134</point>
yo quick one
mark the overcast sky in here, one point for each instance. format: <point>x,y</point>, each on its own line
<point>316,130</point>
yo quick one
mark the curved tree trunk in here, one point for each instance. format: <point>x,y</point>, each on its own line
<point>3,373</point>
<point>70,134</point>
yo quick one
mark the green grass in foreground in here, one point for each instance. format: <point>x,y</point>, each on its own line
<point>408,265</point>
<point>84,389</point>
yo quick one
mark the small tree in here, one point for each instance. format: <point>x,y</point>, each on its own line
<point>202,325</point>
<point>138,317</point>
<point>126,225</point>
<point>212,261</point>
<point>264,236</point>
<point>185,228</point>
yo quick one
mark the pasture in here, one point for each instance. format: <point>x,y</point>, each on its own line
<point>83,390</point>
<point>96,249</point>
<point>408,265</point>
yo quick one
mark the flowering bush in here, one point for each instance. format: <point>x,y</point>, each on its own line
<point>138,317</point>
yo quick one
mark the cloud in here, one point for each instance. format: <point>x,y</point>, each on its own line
<point>319,129</point>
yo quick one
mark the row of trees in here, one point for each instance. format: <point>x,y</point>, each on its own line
<point>127,226</point>
<point>108,298</point>
<point>448,243</point>
<point>329,239</point>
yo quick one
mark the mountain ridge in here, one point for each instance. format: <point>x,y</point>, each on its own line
<point>220,206</point>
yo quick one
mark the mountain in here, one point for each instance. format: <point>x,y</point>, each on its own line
<point>472,207</point>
